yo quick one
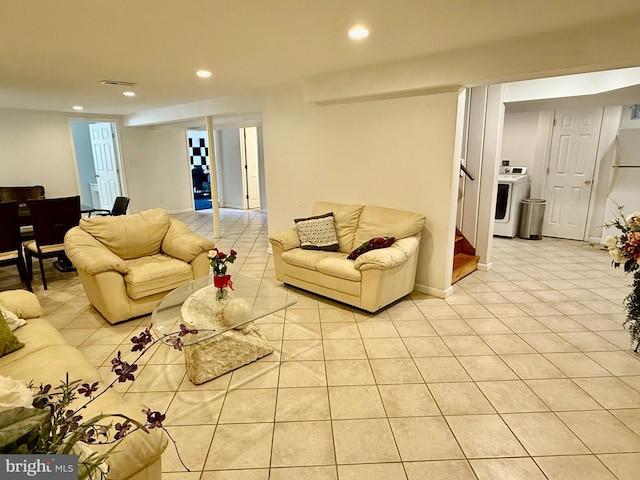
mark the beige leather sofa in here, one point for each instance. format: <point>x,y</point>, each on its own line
<point>128,263</point>
<point>370,282</point>
<point>46,358</point>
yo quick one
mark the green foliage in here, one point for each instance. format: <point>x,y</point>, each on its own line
<point>632,304</point>
<point>19,428</point>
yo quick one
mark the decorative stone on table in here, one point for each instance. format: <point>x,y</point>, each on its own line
<point>226,351</point>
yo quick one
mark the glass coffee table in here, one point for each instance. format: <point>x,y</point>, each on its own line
<point>218,339</point>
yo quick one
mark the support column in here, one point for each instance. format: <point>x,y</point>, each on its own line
<point>214,178</point>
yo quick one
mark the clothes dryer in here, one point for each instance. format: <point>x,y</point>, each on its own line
<point>513,187</point>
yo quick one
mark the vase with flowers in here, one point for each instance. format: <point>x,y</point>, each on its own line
<point>625,250</point>
<point>221,279</point>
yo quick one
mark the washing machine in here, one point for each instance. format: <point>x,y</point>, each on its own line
<point>513,186</point>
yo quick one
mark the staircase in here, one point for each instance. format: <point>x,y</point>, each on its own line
<point>465,260</point>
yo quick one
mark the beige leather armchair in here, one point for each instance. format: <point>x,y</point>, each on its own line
<point>128,263</point>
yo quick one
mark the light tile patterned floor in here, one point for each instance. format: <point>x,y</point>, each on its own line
<point>524,373</point>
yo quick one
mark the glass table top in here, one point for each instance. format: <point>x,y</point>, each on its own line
<point>261,297</point>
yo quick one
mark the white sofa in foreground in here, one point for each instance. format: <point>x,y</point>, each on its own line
<point>46,358</point>
<point>371,281</point>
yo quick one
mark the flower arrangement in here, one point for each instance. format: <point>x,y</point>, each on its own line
<point>221,280</point>
<point>53,424</point>
<point>625,250</point>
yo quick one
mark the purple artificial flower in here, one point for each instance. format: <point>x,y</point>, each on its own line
<point>87,390</point>
<point>142,340</point>
<point>122,429</point>
<point>184,330</point>
<point>116,361</point>
<point>125,371</point>
<point>176,343</point>
<point>154,419</point>
<point>44,389</point>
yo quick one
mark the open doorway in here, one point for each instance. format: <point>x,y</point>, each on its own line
<point>239,167</point>
<point>96,150</point>
<point>199,164</point>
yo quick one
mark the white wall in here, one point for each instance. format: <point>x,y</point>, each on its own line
<point>519,138</point>
<point>35,149</point>
<point>396,153</point>
<point>157,168</point>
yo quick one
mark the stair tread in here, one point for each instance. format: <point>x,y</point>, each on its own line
<point>462,258</point>
<point>463,265</point>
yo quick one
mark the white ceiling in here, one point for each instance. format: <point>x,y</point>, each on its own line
<point>54,53</point>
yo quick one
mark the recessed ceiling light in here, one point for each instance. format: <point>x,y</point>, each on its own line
<point>203,73</point>
<point>129,93</point>
<point>358,32</point>
<point>78,107</point>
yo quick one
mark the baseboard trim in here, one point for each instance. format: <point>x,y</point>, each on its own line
<point>436,292</point>
<point>596,240</point>
<point>485,267</point>
<point>182,210</point>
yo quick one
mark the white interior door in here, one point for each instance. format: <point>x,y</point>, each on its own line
<point>572,159</point>
<point>104,160</point>
<point>251,173</point>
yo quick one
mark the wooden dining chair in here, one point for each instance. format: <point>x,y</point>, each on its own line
<point>10,244</point>
<point>21,194</point>
<point>51,219</point>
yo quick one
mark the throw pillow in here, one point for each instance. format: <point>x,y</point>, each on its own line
<point>14,393</point>
<point>8,341</point>
<point>317,233</point>
<point>372,244</point>
<point>12,319</point>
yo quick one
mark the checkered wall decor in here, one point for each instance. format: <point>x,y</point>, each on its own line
<point>198,150</point>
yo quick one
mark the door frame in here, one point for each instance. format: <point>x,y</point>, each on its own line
<point>245,169</point>
<point>115,121</point>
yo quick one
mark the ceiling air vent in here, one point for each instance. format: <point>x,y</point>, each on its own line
<point>117,83</point>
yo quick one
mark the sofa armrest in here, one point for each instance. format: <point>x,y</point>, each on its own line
<point>183,244</point>
<point>24,304</point>
<point>390,257</point>
<point>89,255</point>
<point>286,239</point>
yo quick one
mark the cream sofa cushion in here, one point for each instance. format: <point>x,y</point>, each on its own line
<point>24,304</point>
<point>154,274</point>
<point>346,219</point>
<point>329,263</point>
<point>339,267</point>
<point>130,236</point>
<point>305,258</point>
<point>387,222</point>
